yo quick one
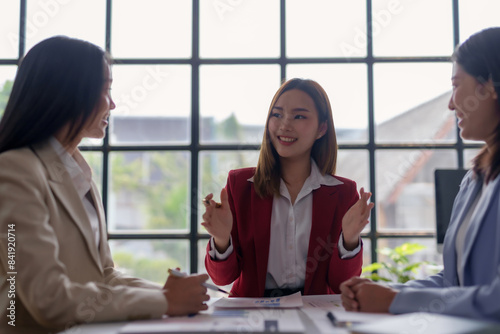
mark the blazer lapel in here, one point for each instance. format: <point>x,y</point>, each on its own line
<point>261,222</point>
<point>477,220</point>
<point>63,189</point>
<point>100,213</point>
<point>322,217</point>
<point>462,206</point>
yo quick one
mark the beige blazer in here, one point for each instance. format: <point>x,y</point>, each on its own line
<point>61,278</point>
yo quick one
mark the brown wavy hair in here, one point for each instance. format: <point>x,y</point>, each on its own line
<point>479,56</point>
<point>324,151</point>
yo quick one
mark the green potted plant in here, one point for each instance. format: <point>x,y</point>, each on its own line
<point>400,269</point>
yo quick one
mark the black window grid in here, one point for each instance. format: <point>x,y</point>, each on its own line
<point>196,147</point>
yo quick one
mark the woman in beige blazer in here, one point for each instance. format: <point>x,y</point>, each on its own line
<point>54,251</point>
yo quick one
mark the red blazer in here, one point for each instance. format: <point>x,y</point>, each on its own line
<point>247,264</point>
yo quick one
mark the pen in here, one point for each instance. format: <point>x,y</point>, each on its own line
<point>335,322</point>
<point>207,202</point>
<point>177,273</point>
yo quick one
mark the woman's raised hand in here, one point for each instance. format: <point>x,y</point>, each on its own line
<point>218,220</point>
<point>355,219</point>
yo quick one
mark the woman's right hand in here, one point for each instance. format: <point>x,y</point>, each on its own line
<point>218,221</point>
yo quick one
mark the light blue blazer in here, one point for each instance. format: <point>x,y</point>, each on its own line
<point>479,297</point>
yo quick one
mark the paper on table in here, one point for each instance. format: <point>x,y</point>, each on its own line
<point>316,308</point>
<point>331,302</point>
<point>419,322</point>
<point>290,301</point>
<point>223,321</point>
<point>360,317</point>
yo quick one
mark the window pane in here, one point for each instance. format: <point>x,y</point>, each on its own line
<point>94,159</point>
<point>353,164</point>
<point>234,102</point>
<point>149,191</point>
<point>202,248</point>
<point>91,142</point>
<point>469,155</point>
<point>9,26</point>
<point>476,15</point>
<point>429,254</point>
<point>151,29</point>
<point>7,75</point>
<point>405,187</point>
<point>84,19</point>
<point>214,167</point>
<point>367,249</point>
<point>411,103</point>
<point>400,28</point>
<point>153,104</point>
<point>150,259</point>
<point>236,29</point>
<point>325,28</point>
<point>346,86</point>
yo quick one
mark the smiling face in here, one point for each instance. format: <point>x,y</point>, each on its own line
<point>294,126</point>
<point>98,124</point>
<point>475,105</point>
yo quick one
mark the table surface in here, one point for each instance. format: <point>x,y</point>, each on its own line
<point>312,315</point>
<point>115,327</point>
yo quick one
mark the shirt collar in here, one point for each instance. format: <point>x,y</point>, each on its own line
<point>313,182</point>
<point>316,179</point>
<point>76,166</point>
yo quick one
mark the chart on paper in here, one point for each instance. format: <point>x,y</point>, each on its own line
<point>290,301</point>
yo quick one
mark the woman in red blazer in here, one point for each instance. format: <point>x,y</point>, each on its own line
<point>289,224</point>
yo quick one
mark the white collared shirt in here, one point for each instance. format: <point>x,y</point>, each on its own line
<point>290,231</point>
<point>81,175</point>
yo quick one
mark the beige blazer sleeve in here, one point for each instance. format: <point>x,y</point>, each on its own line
<point>61,278</point>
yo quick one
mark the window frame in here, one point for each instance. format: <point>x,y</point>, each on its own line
<point>195,147</point>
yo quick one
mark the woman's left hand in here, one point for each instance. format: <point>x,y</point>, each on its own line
<point>355,219</point>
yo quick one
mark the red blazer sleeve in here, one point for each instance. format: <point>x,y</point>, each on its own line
<point>226,271</point>
<point>339,269</point>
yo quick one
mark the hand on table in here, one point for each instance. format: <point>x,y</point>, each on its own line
<point>361,294</point>
<point>185,295</point>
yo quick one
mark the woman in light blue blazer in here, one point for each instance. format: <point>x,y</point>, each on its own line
<point>469,285</point>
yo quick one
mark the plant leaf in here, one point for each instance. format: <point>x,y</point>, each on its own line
<point>413,267</point>
<point>385,251</point>
<point>409,248</point>
<point>376,277</point>
<point>371,267</point>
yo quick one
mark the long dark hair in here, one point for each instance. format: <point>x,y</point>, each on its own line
<point>324,151</point>
<point>58,83</point>
<point>479,56</point>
